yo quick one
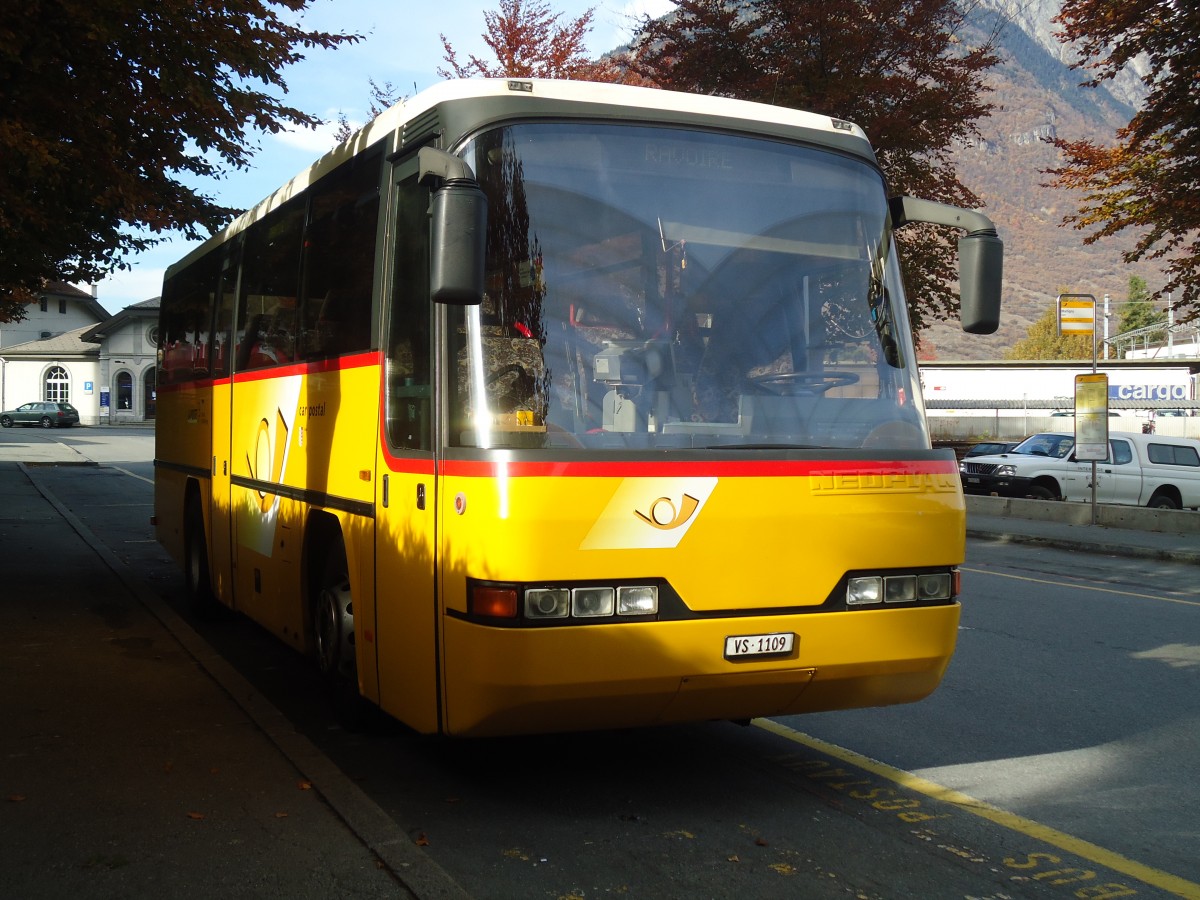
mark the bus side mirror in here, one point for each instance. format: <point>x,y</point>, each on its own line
<point>459,230</point>
<point>980,258</point>
<point>980,271</point>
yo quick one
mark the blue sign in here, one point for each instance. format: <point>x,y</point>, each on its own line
<point>104,399</point>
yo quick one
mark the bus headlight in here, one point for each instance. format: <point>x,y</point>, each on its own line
<point>547,603</point>
<point>590,602</point>
<point>934,587</point>
<point>550,605</point>
<point>863,590</point>
<point>637,600</point>
<point>900,589</point>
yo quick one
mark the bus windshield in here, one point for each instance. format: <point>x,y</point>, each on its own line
<point>658,287</point>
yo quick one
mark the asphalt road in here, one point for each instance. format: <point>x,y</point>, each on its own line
<point>1059,759</point>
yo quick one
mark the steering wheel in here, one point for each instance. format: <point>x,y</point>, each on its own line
<point>799,383</point>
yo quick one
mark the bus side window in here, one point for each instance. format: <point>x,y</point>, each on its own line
<point>339,260</point>
<point>409,344</point>
<point>187,321</point>
<point>270,283</point>
<point>222,342</point>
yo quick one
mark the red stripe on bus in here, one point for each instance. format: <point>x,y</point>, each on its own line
<point>761,468</point>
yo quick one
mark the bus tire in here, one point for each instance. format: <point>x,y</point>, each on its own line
<point>196,576</point>
<point>333,639</point>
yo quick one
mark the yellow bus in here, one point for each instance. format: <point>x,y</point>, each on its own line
<point>541,406</point>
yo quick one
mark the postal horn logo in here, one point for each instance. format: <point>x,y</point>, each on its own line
<point>649,513</point>
<point>663,514</point>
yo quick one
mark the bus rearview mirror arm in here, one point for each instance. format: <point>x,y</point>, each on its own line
<point>459,214</point>
<point>980,258</point>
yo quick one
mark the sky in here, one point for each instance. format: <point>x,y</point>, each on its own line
<point>399,46</point>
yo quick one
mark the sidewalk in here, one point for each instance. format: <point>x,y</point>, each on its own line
<point>130,769</point>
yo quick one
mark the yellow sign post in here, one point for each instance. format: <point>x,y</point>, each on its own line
<point>1077,316</point>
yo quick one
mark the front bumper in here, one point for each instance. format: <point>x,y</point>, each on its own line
<point>510,681</point>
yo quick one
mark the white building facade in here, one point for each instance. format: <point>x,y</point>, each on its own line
<point>70,349</point>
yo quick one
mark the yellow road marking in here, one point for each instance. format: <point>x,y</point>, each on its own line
<point>1082,587</point>
<point>1081,848</point>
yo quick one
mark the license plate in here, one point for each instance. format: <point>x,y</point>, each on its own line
<point>743,645</point>
<point>973,480</point>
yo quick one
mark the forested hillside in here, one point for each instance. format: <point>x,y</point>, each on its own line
<point>1037,97</point>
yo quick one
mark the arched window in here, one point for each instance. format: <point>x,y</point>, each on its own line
<point>150,392</point>
<point>57,385</point>
<point>124,391</point>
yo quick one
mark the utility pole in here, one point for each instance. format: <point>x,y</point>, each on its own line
<point>1105,328</point>
<point>1170,325</point>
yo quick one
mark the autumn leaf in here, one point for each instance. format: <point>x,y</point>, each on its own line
<point>304,785</point>
<point>422,840</point>
<point>281,815</point>
<point>195,815</point>
<point>16,798</point>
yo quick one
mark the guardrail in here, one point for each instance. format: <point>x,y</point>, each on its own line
<point>1171,521</point>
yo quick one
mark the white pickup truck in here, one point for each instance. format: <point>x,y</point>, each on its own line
<point>1141,470</point>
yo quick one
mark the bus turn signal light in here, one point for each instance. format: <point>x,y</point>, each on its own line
<point>494,602</point>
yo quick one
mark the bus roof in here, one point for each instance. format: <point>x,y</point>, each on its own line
<point>534,97</point>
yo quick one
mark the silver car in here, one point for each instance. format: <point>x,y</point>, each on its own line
<point>48,415</point>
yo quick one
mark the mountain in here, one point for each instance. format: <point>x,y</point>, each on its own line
<point>1037,97</point>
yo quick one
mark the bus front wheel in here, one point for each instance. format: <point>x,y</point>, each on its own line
<point>333,622</point>
<point>333,640</point>
<point>195,568</point>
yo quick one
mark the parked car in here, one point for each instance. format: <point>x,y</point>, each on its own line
<point>48,415</point>
<point>1141,470</point>
<point>990,448</point>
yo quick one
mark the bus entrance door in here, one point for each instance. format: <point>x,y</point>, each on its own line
<point>406,602</point>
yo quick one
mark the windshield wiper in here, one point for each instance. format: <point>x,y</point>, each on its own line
<point>763,447</point>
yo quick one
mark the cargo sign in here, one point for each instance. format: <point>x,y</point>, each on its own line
<point>1155,392</point>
